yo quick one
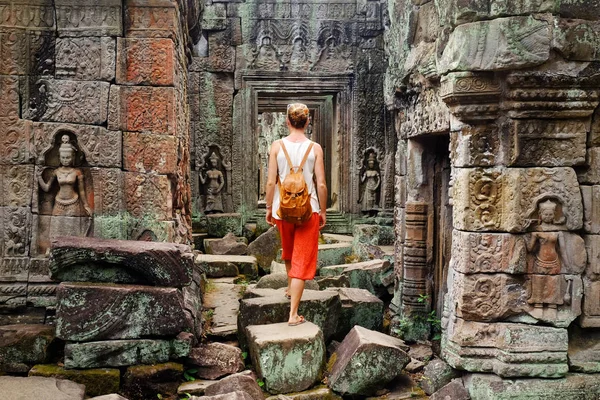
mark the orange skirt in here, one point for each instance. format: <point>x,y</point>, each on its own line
<point>300,244</point>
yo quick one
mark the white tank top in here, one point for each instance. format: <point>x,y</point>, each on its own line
<point>296,152</point>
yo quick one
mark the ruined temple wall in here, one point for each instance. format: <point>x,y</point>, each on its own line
<point>294,50</point>
<point>516,87</point>
<point>104,82</point>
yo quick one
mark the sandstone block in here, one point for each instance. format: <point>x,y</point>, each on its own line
<point>37,387</point>
<point>491,387</point>
<point>370,275</point>
<point>287,358</point>
<point>219,266</point>
<point>9,88</point>
<point>323,393</point>
<point>464,52</point>
<point>148,195</point>
<point>237,395</point>
<point>506,349</point>
<point>92,19</point>
<point>195,388</point>
<point>151,20</point>
<point>87,101</point>
<point>265,248</point>
<point>590,317</point>
<point>591,208</point>
<point>146,381</point>
<point>85,58</point>
<point>577,40</point>
<point>591,174</point>
<point>278,281</point>
<point>454,390</point>
<point>319,307</point>
<point>488,252</point>
<point>333,254</point>
<point>121,261</point>
<point>584,350</point>
<point>22,346</point>
<point>145,61</point>
<point>215,360</point>
<point>142,109</point>
<point>365,361</point>
<point>220,225</point>
<point>229,245</point>
<point>150,153</point>
<point>373,234</point>
<point>89,312</point>
<point>337,281</point>
<point>436,375</point>
<point>122,353</point>
<point>359,308</point>
<point>96,381</point>
<point>242,381</point>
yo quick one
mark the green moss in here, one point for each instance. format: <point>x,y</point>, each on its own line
<point>97,382</point>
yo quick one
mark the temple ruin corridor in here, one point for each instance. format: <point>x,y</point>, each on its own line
<point>461,255</point>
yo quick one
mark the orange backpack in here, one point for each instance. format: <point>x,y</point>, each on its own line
<point>294,198</point>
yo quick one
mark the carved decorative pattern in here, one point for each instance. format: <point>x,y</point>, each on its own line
<point>87,58</point>
<point>17,225</point>
<point>415,259</point>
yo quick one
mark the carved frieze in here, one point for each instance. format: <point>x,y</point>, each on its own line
<point>87,58</point>
<point>476,146</point>
<point>415,269</point>
<point>27,52</point>
<point>507,199</point>
<point>14,269</point>
<point>471,96</point>
<point>9,90</point>
<point>145,61</point>
<point>17,231</point>
<point>56,100</point>
<point>425,114</point>
<point>13,295</point>
<point>28,14</point>
<point>577,40</point>
<point>16,183</point>
<point>15,136</point>
<point>89,17</point>
<point>145,20</point>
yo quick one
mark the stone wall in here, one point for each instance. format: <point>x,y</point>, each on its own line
<point>93,131</point>
<point>258,56</point>
<point>516,87</point>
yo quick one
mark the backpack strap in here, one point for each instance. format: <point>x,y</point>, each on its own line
<point>306,155</point>
<point>287,155</point>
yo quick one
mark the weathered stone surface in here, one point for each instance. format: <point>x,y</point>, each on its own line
<point>584,350</point>
<point>577,39</point>
<point>278,281</point>
<point>333,254</point>
<point>323,393</point>
<point>230,245</point>
<point>506,349</point>
<point>486,199</point>
<point>287,358</point>
<point>421,351</point>
<point>85,58</point>
<point>148,195</point>
<point>150,153</point>
<point>242,381</point>
<point>37,387</point>
<point>65,101</point>
<point>146,381</point>
<point>88,312</point>
<point>591,208</point>
<point>196,387</point>
<point>219,266</point>
<point>151,20</point>
<point>214,360</point>
<point>369,275</point>
<point>436,375</point>
<point>93,19</point>
<point>491,387</point>
<point>142,109</point>
<point>322,308</point>
<point>121,261</point>
<point>508,43</point>
<point>96,381</point>
<point>455,390</point>
<point>145,61</point>
<point>338,281</point>
<point>122,353</point>
<point>237,395</point>
<point>365,361</point>
<point>265,248</point>
<point>22,346</point>
<point>112,396</point>
<point>359,308</point>
<point>488,252</point>
<point>590,174</point>
<point>459,12</point>
<point>220,225</point>
<point>373,234</point>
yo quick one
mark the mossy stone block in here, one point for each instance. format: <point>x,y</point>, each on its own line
<point>97,381</point>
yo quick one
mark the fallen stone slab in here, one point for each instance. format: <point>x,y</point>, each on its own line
<point>365,361</point>
<point>195,388</point>
<point>214,360</point>
<point>287,358</point>
<point>237,395</point>
<point>455,390</point>
<point>327,282</point>
<point>228,245</point>
<point>333,254</point>
<point>145,382</point>
<point>322,308</point>
<point>37,387</point>
<point>370,275</point>
<point>97,382</point>
<point>278,281</point>
<point>493,387</point>
<point>278,268</point>
<point>112,396</point>
<point>242,381</point>
<point>22,346</point>
<point>123,353</point>
<point>89,312</point>
<point>74,259</point>
<point>322,393</point>
<point>437,374</point>
<point>584,350</point>
<point>265,248</point>
<point>220,225</point>
<point>359,307</point>
<point>414,366</point>
<point>216,266</point>
<point>421,351</point>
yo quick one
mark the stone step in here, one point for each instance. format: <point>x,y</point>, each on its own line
<point>376,276</point>
<point>97,382</point>
<point>329,254</point>
<point>37,387</point>
<point>287,358</point>
<point>221,300</point>
<point>228,245</point>
<point>359,308</point>
<point>218,266</point>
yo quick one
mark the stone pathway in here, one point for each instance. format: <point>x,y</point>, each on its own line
<point>222,297</point>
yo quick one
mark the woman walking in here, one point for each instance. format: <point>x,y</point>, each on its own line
<point>298,241</point>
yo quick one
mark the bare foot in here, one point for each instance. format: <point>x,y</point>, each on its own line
<point>296,321</point>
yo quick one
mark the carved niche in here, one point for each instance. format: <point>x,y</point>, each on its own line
<point>370,183</point>
<point>214,174</point>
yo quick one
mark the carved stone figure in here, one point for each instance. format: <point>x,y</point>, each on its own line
<point>370,179</point>
<point>213,181</point>
<point>70,199</point>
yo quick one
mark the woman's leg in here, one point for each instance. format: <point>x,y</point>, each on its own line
<point>296,289</point>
